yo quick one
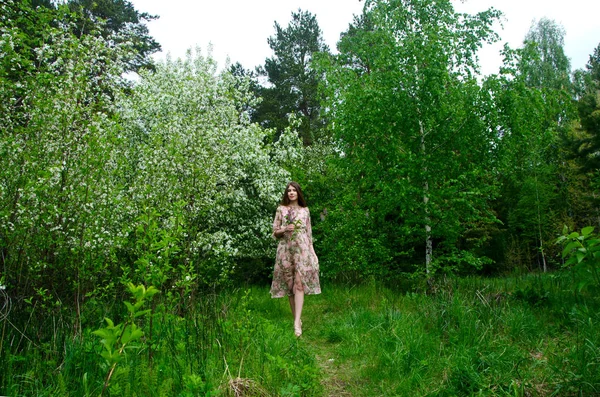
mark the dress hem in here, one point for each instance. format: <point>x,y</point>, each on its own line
<point>284,295</point>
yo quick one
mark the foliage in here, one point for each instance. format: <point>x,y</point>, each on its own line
<point>58,144</point>
<point>224,340</point>
<point>120,20</point>
<point>116,338</point>
<point>167,182</point>
<point>292,81</point>
<point>414,144</point>
<point>19,50</point>
<point>582,253</point>
<point>545,64</point>
<point>86,155</point>
<point>533,109</point>
<point>586,143</point>
<point>193,157</point>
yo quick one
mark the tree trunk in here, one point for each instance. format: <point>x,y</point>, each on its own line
<point>539,216</point>
<point>428,242</point>
<point>597,210</point>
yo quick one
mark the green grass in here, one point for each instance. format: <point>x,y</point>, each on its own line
<point>526,336</point>
<point>499,337</point>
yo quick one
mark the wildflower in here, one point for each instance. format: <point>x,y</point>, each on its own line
<point>290,219</point>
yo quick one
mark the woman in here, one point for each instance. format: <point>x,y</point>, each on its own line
<point>296,265</point>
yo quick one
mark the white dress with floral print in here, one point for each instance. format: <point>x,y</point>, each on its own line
<point>295,254</point>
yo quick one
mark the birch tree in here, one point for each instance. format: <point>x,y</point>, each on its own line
<point>410,121</point>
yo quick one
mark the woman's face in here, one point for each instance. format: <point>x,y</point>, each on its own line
<point>292,193</point>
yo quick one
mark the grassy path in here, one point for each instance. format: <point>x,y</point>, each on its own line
<point>336,378</point>
<point>328,337</point>
<point>324,336</point>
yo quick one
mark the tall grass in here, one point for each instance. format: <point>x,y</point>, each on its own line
<point>220,344</point>
<point>525,336</point>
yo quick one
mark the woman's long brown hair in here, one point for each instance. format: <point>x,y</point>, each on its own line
<point>286,200</point>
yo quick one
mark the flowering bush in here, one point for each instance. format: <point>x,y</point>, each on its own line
<point>89,161</point>
<point>59,200</point>
<point>190,140</point>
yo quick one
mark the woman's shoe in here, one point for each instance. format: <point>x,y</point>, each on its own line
<point>298,329</point>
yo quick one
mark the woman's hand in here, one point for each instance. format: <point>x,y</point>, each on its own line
<point>288,229</point>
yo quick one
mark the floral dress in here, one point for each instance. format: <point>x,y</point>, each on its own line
<point>295,254</point>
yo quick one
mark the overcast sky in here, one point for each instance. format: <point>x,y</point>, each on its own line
<point>239,29</point>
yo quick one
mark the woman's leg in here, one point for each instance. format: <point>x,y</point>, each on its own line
<point>293,306</point>
<point>298,304</point>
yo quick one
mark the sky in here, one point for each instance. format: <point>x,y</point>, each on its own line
<point>238,29</point>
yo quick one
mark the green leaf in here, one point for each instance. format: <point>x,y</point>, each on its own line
<point>130,307</point>
<point>151,291</point>
<point>126,337</point>
<point>141,313</point>
<point>103,333</point>
<point>582,284</point>
<point>137,334</point>
<point>587,230</point>
<point>571,246</point>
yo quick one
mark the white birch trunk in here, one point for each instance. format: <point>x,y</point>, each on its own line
<point>539,216</point>
<point>428,242</point>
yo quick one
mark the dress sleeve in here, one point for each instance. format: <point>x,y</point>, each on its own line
<point>309,232</point>
<point>277,222</point>
<point>308,226</point>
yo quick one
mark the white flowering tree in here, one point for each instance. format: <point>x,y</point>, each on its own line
<point>195,159</point>
<point>59,212</point>
<point>164,181</point>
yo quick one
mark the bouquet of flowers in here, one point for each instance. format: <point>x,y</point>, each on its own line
<point>291,219</point>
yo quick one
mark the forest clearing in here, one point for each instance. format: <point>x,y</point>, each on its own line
<point>455,216</point>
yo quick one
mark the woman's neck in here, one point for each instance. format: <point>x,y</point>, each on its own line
<point>293,204</point>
